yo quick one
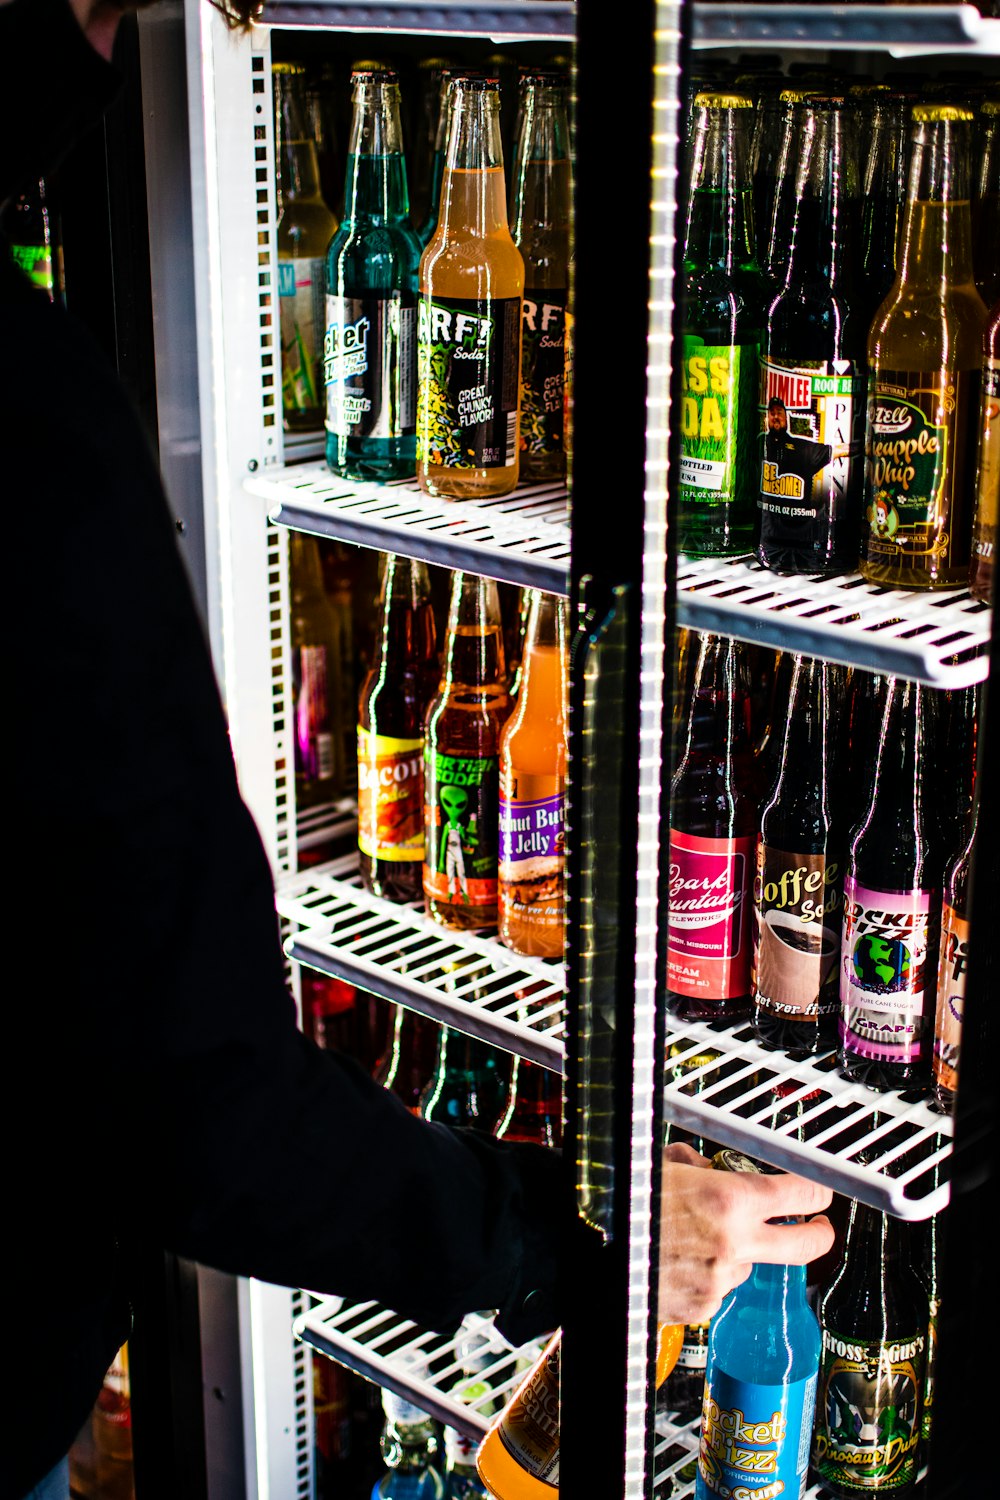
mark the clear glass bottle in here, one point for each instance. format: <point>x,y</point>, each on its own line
<point>305,227</point>
<point>925,357</point>
<point>409,1445</point>
<point>721,311</point>
<point>541,193</point>
<point>371,274</point>
<point>469,314</point>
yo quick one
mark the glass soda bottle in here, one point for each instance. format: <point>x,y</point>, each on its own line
<point>421,127</point>
<point>469,313</point>
<point>408,1064</point>
<point>925,357</point>
<point>798,890</point>
<point>892,903</point>
<point>369,352</point>
<point>811,443</point>
<point>394,696</point>
<point>435,169</point>
<point>540,210</point>
<point>952,964</point>
<point>409,1445</point>
<point>883,196</point>
<point>713,825</point>
<point>471,1083</point>
<point>760,1382</point>
<point>462,761</point>
<point>518,1458</point>
<point>533,759</point>
<point>316,659</point>
<point>721,310</point>
<point>535,1105</point>
<point>986,203</point>
<point>305,228</point>
<point>874,1318</point>
<point>31,226</point>
<point>987,502</point>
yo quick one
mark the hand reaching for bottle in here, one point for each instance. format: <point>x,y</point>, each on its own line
<point>715,1227</point>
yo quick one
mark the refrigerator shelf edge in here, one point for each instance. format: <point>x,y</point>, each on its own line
<point>463,980</point>
<point>889,1150</point>
<point>940,638</point>
<point>897,29</point>
<point>522,538</point>
<point>542,20</point>
<point>420,1366</point>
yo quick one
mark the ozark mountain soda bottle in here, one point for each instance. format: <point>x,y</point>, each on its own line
<point>721,311</point>
<point>370,349</point>
<point>892,904</point>
<point>811,444</point>
<point>874,1319</point>
<point>713,823</point>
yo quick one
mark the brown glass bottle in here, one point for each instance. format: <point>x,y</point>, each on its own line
<point>534,1108</point>
<point>924,357</point>
<point>316,665</point>
<point>407,1066</point>
<point>952,965</point>
<point>987,514</point>
<point>462,761</point>
<point>391,708</point>
<point>713,823</point>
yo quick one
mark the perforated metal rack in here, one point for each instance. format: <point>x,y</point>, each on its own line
<point>425,1368</point>
<point>522,538</point>
<point>472,983</point>
<point>938,638</point>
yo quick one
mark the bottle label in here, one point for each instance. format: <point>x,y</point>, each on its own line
<point>709,916</point>
<point>468,363</point>
<point>461,821</point>
<point>950,997</point>
<point>694,1349</point>
<point>390,797</point>
<point>542,371</point>
<point>755,1438</point>
<point>36,263</point>
<point>313,735</point>
<point>884,973</point>
<point>529,1428</point>
<point>717,420</point>
<point>797,902</point>
<point>811,445</point>
<point>918,429</point>
<point>532,849</point>
<point>369,365</point>
<point>988,472</point>
<point>869,1412</point>
<point>300,303</point>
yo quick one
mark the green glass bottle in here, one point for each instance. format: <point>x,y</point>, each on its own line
<point>371,277</point>
<point>721,309</point>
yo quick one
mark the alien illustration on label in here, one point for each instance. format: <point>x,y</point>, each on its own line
<point>461,825</point>
<point>458,836</point>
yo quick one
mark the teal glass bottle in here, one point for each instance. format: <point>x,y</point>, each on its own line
<point>370,348</point>
<point>760,1387</point>
<point>721,315</point>
<point>471,1083</point>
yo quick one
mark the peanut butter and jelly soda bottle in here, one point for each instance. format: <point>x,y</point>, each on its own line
<point>469,314</point>
<point>924,356</point>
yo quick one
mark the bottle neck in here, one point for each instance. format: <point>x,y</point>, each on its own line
<point>474,654</point>
<point>720,229</point>
<point>937,230</point>
<point>805,754</point>
<point>541,189</point>
<point>473,194</point>
<point>719,710</point>
<point>776,1287</point>
<point>376,186</point>
<point>298,165</point>
<point>825,195</point>
<point>544,661</point>
<point>406,635</point>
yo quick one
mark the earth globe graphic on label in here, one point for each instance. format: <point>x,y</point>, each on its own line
<point>881,964</point>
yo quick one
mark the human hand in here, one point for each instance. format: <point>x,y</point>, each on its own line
<point>714,1227</point>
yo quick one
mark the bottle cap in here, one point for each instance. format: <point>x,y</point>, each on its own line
<point>932,113</point>
<point>722,101</point>
<point>375,73</point>
<point>728,1160</point>
<point>286,68</point>
<point>402,1413</point>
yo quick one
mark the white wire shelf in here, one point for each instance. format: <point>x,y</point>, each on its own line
<point>900,30</point>
<point>500,20</point>
<point>423,1367</point>
<point>941,638</point>
<point>470,982</point>
<point>521,538</point>
<point>889,1150</point>
<point>675,1454</point>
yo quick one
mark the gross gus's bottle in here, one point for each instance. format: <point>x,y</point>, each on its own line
<point>760,1383</point>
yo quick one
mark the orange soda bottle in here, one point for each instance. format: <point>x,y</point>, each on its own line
<point>533,757</point>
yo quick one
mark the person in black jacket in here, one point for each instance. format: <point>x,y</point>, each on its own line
<point>154,1073</point>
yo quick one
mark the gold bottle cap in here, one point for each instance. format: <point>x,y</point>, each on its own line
<point>722,101</point>
<point>288,67</point>
<point>933,113</point>
<point>990,107</point>
<point>728,1160</point>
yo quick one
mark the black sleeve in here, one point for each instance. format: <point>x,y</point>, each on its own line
<point>155,999</point>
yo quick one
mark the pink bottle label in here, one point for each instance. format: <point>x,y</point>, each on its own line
<point>709,939</point>
<point>886,991</point>
<point>950,998</point>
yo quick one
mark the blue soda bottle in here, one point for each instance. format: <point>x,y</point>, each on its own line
<point>760,1389</point>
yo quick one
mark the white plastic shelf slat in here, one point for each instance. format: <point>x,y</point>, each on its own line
<point>464,980</point>
<point>889,1150</point>
<point>675,1452</point>
<point>522,538</point>
<point>423,1367</point>
<point>500,20</point>
<point>941,638</point>
<point>899,29</point>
